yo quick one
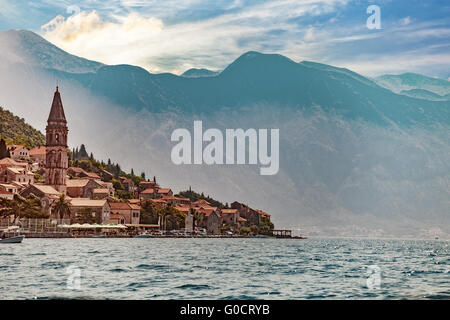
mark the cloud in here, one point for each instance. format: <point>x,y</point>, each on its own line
<point>175,35</point>
<point>405,21</point>
<point>146,40</point>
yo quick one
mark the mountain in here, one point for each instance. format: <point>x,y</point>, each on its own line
<point>22,46</point>
<point>424,94</point>
<point>355,158</point>
<point>199,73</point>
<point>256,78</point>
<point>16,131</point>
<point>408,81</point>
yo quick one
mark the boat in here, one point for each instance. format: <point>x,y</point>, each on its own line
<point>99,236</point>
<point>143,235</point>
<point>16,239</point>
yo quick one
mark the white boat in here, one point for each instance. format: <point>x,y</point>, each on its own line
<point>17,239</point>
<point>143,235</point>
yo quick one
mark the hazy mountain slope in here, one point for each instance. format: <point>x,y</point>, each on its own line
<point>199,73</point>
<point>408,81</point>
<point>261,78</point>
<point>423,94</point>
<point>29,48</point>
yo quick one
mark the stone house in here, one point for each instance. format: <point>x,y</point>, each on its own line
<point>177,200</point>
<point>82,188</point>
<point>46,193</point>
<point>81,173</point>
<point>115,218</point>
<point>11,163</point>
<point>6,194</point>
<point>100,193</point>
<point>18,152</point>
<point>230,217</point>
<point>38,154</point>
<point>131,212</point>
<point>128,184</point>
<point>251,216</point>
<point>147,194</point>
<point>12,188</point>
<point>212,221</point>
<point>143,185</point>
<point>100,208</point>
<point>164,192</point>
<point>17,174</point>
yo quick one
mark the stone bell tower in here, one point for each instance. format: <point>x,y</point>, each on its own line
<point>56,161</point>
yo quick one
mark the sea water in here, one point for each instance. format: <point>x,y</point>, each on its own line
<point>188,268</point>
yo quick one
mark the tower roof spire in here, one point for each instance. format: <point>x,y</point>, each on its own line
<point>57,110</point>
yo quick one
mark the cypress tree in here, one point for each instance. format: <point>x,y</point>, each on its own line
<point>4,152</point>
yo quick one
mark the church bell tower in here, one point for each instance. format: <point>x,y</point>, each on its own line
<point>56,161</point>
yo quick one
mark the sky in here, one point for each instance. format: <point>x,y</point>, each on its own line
<point>175,35</point>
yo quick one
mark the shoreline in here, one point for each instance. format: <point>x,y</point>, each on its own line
<point>71,236</point>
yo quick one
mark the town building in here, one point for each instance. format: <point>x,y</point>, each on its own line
<point>46,193</point>
<point>38,155</point>
<point>131,212</point>
<point>230,217</point>
<point>100,208</point>
<point>82,188</point>
<point>18,152</point>
<point>6,194</point>
<point>17,174</point>
<point>251,216</point>
<point>81,173</point>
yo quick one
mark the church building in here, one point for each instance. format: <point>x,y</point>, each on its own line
<point>56,159</point>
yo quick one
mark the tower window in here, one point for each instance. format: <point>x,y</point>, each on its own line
<point>57,137</point>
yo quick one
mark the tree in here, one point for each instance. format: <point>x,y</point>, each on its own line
<point>20,207</point>
<point>61,207</point>
<point>82,153</point>
<point>198,217</point>
<point>132,172</point>
<point>4,152</point>
<point>149,213</point>
<point>143,175</point>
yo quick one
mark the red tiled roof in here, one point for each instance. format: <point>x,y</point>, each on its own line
<point>147,182</point>
<point>200,202</point>
<point>76,169</point>
<point>40,150</point>
<point>120,206</point>
<point>15,147</point>
<point>99,190</point>
<point>134,206</point>
<point>92,175</point>
<point>229,211</point>
<point>148,191</point>
<point>115,216</point>
<point>164,190</point>
<point>183,209</point>
<point>265,214</point>
<point>3,191</point>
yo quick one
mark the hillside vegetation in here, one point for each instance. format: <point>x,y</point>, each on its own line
<point>16,131</point>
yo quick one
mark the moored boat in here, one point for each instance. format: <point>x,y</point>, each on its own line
<point>143,235</point>
<point>16,239</point>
